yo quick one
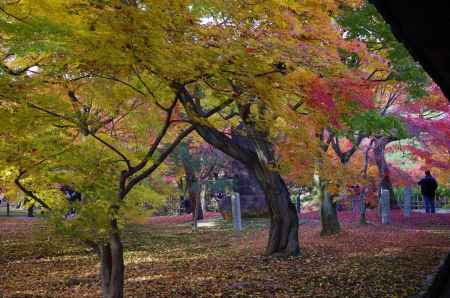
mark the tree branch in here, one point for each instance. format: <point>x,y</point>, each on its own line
<point>29,193</point>
<point>156,164</point>
<point>214,137</point>
<point>124,158</point>
<point>49,112</point>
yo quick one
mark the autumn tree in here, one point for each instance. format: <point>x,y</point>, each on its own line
<point>238,55</point>
<point>110,139</point>
<point>200,162</point>
<point>401,80</point>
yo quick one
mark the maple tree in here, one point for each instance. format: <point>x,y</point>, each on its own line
<point>200,162</point>
<point>98,94</point>
<point>402,83</point>
<point>216,49</point>
<point>108,145</point>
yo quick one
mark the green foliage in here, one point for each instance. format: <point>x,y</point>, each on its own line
<point>443,191</point>
<point>351,59</point>
<point>36,36</point>
<point>372,123</point>
<point>367,25</point>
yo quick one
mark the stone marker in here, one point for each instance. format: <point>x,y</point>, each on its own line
<point>407,202</point>
<point>236,211</point>
<point>384,206</point>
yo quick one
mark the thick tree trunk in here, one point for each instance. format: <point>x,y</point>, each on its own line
<point>439,287</point>
<point>328,216</point>
<point>192,185</point>
<point>112,268</point>
<point>258,157</point>
<point>328,213</point>
<point>283,234</point>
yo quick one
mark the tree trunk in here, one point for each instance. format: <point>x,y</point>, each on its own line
<point>258,157</point>
<point>328,216</point>
<point>328,213</point>
<point>196,212</point>
<point>283,234</point>
<point>383,170</point>
<point>30,211</point>
<point>192,185</point>
<point>112,266</point>
<point>199,210</point>
<point>439,286</point>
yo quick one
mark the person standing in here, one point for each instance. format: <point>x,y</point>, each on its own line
<point>428,186</point>
<point>4,199</point>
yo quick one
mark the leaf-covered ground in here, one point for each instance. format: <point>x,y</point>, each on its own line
<point>165,259</point>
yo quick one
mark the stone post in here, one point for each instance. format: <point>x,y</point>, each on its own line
<point>385,207</point>
<point>362,206</point>
<point>407,202</point>
<point>298,204</point>
<point>203,198</point>
<point>236,211</point>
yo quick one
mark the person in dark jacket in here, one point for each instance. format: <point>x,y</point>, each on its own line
<point>72,196</point>
<point>428,186</point>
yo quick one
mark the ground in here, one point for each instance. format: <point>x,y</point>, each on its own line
<point>165,259</point>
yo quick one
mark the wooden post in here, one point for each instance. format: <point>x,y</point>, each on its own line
<point>7,208</point>
<point>236,211</point>
<point>407,202</point>
<point>385,207</point>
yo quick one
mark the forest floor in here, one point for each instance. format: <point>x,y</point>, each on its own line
<point>164,258</point>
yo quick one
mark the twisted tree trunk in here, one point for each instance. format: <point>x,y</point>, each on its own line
<point>283,234</point>
<point>258,157</point>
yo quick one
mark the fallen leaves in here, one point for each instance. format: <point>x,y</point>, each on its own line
<point>165,259</point>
